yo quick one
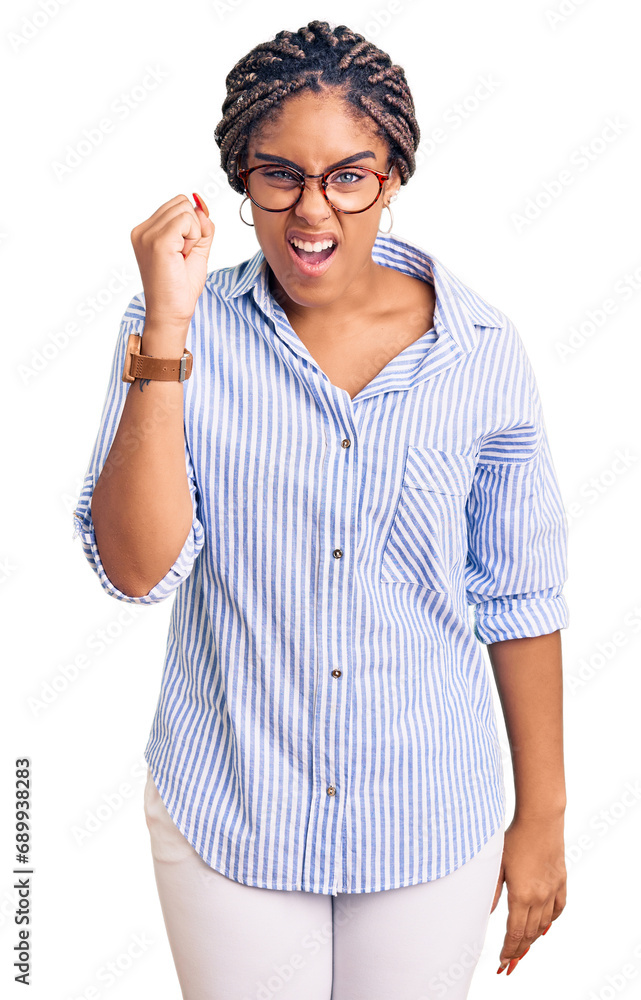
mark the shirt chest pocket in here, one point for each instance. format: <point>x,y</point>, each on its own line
<point>427,540</point>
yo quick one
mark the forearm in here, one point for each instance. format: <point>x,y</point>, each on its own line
<point>141,506</point>
<point>528,674</point>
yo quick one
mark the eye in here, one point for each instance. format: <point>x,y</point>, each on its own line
<point>347,178</point>
<point>277,173</point>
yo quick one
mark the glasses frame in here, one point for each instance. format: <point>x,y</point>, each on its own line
<point>243,174</point>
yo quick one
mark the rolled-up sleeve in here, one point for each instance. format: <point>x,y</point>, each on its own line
<point>133,321</point>
<point>517,527</point>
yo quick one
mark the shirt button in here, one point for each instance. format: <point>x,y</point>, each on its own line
<point>331,790</point>
<point>345,443</point>
<point>336,673</point>
<point>337,553</point>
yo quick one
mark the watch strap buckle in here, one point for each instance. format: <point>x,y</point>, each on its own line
<point>133,349</point>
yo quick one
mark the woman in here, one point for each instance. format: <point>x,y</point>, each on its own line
<point>326,454</point>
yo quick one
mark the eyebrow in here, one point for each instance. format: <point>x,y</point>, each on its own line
<point>332,166</point>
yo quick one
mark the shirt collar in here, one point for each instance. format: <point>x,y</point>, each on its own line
<point>458,310</point>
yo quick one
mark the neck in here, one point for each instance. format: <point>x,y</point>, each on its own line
<point>361,298</point>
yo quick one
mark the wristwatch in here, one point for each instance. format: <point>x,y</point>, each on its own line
<point>139,365</point>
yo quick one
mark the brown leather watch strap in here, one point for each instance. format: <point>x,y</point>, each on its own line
<point>144,366</point>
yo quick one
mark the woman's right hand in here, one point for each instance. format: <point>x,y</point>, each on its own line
<point>172,247</point>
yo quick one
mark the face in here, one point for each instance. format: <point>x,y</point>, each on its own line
<point>313,133</point>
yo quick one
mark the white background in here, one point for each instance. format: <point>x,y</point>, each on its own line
<point>560,71</point>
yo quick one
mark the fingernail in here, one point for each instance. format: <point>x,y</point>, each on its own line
<point>526,951</point>
<point>546,929</point>
<point>512,966</point>
<point>200,204</point>
<point>501,968</point>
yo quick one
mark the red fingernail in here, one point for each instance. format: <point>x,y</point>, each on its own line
<point>200,204</point>
<point>512,966</point>
<point>526,951</point>
<point>546,929</point>
<point>501,968</point>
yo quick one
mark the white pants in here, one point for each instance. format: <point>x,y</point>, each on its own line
<point>231,941</point>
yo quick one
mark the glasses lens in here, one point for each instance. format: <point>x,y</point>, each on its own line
<point>350,189</point>
<point>274,187</point>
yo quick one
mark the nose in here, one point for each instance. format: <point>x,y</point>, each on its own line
<point>313,206</point>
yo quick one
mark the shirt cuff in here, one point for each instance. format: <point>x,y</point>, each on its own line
<point>519,617</point>
<point>177,573</point>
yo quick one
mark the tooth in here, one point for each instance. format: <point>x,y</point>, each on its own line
<point>311,247</point>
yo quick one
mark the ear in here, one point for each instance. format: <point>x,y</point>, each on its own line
<point>392,184</point>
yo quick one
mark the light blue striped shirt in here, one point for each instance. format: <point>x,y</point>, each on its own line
<point>325,719</point>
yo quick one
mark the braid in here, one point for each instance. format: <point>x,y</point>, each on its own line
<point>315,55</point>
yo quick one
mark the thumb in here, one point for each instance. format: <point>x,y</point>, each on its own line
<point>497,891</point>
<point>206,226</point>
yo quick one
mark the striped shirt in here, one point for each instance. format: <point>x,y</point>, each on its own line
<point>325,720</point>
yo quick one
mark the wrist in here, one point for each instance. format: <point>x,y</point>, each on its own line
<point>156,360</point>
<point>164,340</point>
<point>541,811</point>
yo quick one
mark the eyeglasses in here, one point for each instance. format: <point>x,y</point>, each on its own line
<point>276,188</point>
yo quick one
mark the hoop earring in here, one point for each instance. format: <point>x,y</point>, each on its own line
<point>240,210</point>
<point>391,218</point>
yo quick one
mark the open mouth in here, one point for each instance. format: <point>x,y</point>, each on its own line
<point>315,257</point>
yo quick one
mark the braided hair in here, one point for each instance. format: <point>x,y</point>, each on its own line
<point>313,56</point>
